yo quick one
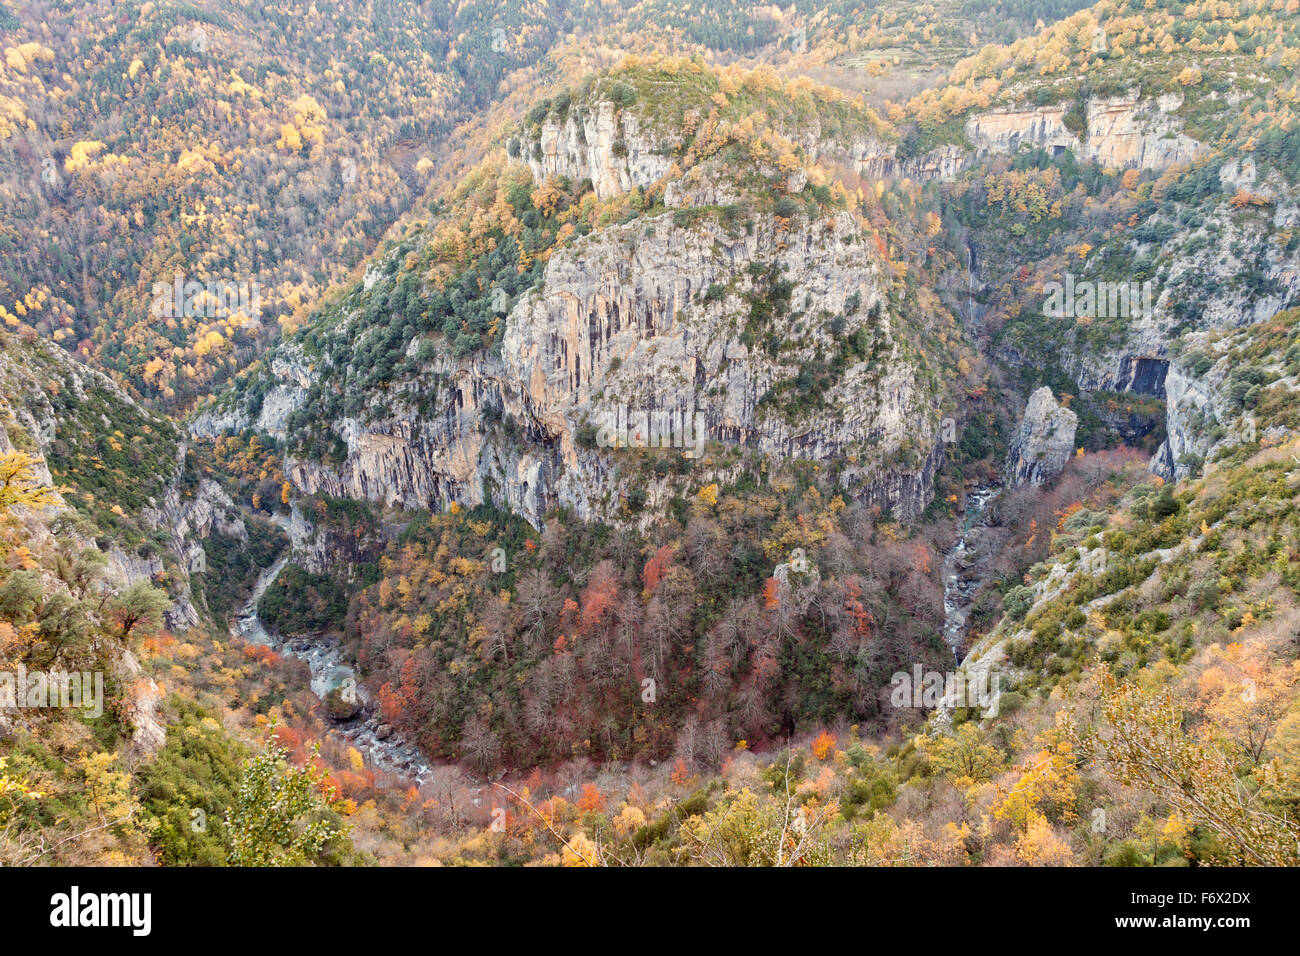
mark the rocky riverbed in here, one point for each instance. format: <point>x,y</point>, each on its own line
<point>961,580</point>
<point>382,747</point>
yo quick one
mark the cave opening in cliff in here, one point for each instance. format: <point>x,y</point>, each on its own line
<point>1145,375</point>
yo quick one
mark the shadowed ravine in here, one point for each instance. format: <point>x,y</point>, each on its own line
<point>329,670</point>
<point>958,589</point>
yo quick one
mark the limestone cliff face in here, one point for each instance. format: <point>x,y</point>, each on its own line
<point>1043,443</point>
<point>637,323</point>
<point>1121,132</point>
<point>618,152</point>
<point>321,550</point>
<point>1203,417</point>
<point>188,522</point>
<point>1221,270</point>
<point>880,160</point>
<point>600,143</point>
<point>293,374</point>
<point>624,327</point>
<point>1192,401</point>
<point>621,321</point>
<point>415,459</point>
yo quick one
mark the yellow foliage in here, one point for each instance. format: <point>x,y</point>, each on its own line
<point>18,484</point>
<point>82,154</point>
<point>290,138</point>
<point>22,57</point>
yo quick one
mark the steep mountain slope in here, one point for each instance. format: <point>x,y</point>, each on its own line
<point>658,468</point>
<point>266,148</point>
<point>667,237</point>
<point>770,316</point>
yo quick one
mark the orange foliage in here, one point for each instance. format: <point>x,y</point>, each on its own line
<point>656,569</point>
<point>680,773</point>
<point>598,598</point>
<point>262,654</point>
<point>591,800</point>
<point>822,744</point>
<point>856,610</point>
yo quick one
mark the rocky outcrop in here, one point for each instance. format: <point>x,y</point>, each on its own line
<point>188,522</point>
<point>619,151</point>
<point>1191,406</point>
<point>322,550</point>
<point>646,322</point>
<point>293,376</point>
<point>1203,416</point>
<point>415,459</point>
<point>797,581</point>
<point>600,143</point>
<point>1043,443</point>
<point>880,160</point>
<point>144,698</point>
<point>1121,132</point>
<point>1007,130</point>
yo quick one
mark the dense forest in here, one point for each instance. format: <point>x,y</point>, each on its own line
<point>312,318</point>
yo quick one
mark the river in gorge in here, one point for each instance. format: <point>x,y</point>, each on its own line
<point>384,749</point>
<point>959,588</point>
<point>380,745</point>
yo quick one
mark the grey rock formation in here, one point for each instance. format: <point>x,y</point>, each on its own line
<point>1123,132</point>
<point>1044,442</point>
<point>605,145</point>
<point>148,734</point>
<point>647,318</point>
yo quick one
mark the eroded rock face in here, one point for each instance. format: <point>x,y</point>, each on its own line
<point>1122,132</point>
<point>797,582</point>
<point>618,152</point>
<point>621,324</point>
<point>294,375</point>
<point>1191,402</point>
<point>605,145</point>
<point>648,319</point>
<point>418,458</point>
<point>1203,415</point>
<point>1043,443</point>
<point>1205,263</point>
<point>148,733</point>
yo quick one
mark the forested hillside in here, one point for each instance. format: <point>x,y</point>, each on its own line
<point>667,433</point>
